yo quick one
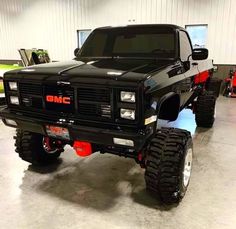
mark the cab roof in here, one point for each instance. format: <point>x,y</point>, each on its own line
<point>168,26</point>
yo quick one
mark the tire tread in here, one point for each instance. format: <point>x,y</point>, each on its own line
<point>163,168</point>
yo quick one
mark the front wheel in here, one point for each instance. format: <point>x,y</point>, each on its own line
<point>36,148</point>
<point>169,164</point>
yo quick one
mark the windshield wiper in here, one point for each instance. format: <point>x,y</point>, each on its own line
<point>142,58</point>
<point>95,57</point>
<point>124,57</point>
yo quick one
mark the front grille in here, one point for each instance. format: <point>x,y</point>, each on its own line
<point>85,103</point>
<point>30,89</point>
<point>29,101</point>
<point>101,110</point>
<point>98,95</point>
<point>31,95</point>
<point>94,102</point>
<point>58,93</point>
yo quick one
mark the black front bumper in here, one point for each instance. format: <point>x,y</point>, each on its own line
<point>99,136</point>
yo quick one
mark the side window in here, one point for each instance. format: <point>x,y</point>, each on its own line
<point>185,46</point>
<point>82,35</point>
<point>95,46</point>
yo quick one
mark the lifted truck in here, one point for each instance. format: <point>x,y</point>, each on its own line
<point>109,99</point>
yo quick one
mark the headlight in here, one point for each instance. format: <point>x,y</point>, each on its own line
<point>14,100</point>
<point>13,86</point>
<point>127,114</point>
<point>127,96</point>
<point>10,122</point>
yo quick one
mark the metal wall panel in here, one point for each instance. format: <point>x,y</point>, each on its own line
<point>52,24</point>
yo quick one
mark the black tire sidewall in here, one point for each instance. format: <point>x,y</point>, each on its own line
<point>205,110</point>
<point>29,147</point>
<point>165,164</point>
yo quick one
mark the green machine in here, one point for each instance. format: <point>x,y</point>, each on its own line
<point>4,68</point>
<point>34,56</point>
<point>29,57</point>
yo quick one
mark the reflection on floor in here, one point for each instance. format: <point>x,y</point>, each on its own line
<point>105,191</point>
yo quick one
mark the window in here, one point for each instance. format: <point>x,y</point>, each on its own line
<point>95,45</point>
<point>82,36</point>
<point>162,44</point>
<point>198,35</point>
<point>185,46</point>
<point>151,42</point>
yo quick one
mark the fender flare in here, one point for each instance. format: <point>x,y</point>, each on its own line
<point>169,106</point>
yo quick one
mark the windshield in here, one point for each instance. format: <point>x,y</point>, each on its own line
<point>130,42</point>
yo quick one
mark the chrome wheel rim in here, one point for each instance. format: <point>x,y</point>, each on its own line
<point>187,167</point>
<point>47,148</point>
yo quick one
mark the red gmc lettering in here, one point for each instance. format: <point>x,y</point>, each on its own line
<point>49,98</point>
<point>66,100</point>
<point>57,99</point>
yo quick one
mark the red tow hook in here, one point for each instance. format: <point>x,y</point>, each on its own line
<point>141,160</point>
<point>140,157</point>
<point>82,149</point>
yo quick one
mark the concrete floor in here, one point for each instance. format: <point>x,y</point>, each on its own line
<point>105,191</point>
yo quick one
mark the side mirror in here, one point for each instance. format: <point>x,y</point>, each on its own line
<point>76,51</point>
<point>200,54</point>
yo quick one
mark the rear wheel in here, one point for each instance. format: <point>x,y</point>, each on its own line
<point>169,164</point>
<point>214,85</point>
<point>36,148</point>
<point>205,110</point>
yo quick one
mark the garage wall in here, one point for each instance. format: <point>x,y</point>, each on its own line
<point>48,24</point>
<point>52,24</point>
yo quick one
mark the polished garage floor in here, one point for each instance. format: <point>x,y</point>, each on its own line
<point>105,191</point>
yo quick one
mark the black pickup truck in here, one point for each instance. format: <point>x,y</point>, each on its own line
<point>109,99</point>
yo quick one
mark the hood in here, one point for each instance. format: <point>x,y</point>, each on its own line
<point>117,69</point>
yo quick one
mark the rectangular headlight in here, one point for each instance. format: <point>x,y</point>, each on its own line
<point>10,122</point>
<point>127,96</point>
<point>127,114</point>
<point>14,100</point>
<point>13,86</point>
<point>125,142</point>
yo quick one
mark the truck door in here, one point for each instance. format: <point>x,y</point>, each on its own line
<point>189,69</point>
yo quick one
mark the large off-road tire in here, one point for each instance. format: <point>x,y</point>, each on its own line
<point>214,85</point>
<point>205,110</point>
<point>169,164</point>
<point>30,148</point>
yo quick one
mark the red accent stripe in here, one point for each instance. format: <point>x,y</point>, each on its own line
<point>201,77</point>
<point>234,80</point>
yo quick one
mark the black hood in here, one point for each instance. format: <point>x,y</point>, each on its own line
<point>117,69</point>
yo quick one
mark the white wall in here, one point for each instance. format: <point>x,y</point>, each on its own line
<point>52,24</point>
